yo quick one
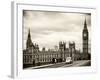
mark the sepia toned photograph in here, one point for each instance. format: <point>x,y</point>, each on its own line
<point>54,39</point>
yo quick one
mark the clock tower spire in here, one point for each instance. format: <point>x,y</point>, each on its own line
<point>85,24</point>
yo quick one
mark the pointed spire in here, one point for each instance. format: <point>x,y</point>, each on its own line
<point>85,24</point>
<point>85,21</point>
<point>29,41</point>
<point>29,33</point>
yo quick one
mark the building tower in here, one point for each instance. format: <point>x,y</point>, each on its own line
<point>29,41</point>
<point>62,48</point>
<point>85,38</point>
<point>72,50</point>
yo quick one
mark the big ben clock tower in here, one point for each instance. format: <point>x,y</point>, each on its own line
<point>85,39</point>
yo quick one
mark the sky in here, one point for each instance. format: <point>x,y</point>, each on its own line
<point>48,28</point>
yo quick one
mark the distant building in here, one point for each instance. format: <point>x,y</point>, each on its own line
<point>32,56</point>
<point>72,49</point>
<point>77,55</point>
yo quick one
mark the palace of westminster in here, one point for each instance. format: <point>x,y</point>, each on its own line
<point>32,56</point>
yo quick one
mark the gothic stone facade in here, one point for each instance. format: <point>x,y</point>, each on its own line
<point>32,56</point>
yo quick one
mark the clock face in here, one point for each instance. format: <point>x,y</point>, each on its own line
<point>84,34</point>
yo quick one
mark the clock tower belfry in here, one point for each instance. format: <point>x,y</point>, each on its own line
<point>85,38</point>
